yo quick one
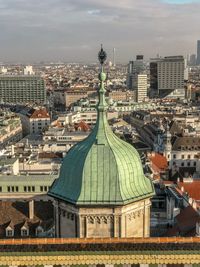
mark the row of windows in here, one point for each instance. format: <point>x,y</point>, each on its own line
<point>185,156</point>
<point>10,233</point>
<point>24,232</point>
<point>12,189</point>
<point>186,164</point>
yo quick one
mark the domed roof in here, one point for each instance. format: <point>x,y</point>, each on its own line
<point>102,169</point>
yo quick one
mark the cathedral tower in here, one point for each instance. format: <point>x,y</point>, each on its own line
<point>102,190</point>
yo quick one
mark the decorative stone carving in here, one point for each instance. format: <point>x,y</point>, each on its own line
<point>135,214</point>
<point>99,219</point>
<point>90,219</point>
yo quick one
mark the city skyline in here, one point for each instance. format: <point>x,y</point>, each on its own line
<point>72,31</point>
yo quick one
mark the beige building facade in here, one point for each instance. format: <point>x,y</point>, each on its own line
<point>94,222</point>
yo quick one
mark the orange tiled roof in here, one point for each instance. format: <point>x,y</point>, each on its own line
<point>193,189</point>
<point>159,162</point>
<point>83,126</point>
<point>40,114</point>
<point>149,240</point>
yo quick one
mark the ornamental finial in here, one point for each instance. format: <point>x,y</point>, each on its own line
<point>102,55</point>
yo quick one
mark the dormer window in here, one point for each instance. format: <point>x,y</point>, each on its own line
<point>9,232</point>
<point>24,232</point>
<point>39,231</point>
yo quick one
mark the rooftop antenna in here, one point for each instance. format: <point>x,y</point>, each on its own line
<point>114,57</point>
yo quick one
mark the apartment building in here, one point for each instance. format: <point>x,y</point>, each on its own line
<point>10,129</point>
<point>72,96</point>
<point>22,89</point>
<point>34,120</point>
<point>167,75</point>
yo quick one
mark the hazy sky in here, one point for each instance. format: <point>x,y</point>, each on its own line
<point>72,30</point>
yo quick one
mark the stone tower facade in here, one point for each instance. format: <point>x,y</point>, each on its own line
<point>132,220</point>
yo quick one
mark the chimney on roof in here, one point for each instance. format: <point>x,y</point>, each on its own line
<point>31,209</point>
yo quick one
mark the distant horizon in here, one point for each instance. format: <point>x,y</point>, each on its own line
<point>41,62</point>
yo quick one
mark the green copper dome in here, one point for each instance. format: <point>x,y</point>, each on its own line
<point>102,169</point>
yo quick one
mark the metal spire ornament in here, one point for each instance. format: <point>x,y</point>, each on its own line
<point>102,56</point>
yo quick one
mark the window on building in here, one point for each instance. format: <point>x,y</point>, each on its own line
<point>9,232</point>
<point>25,189</point>
<point>0,188</point>
<point>29,189</point>
<point>182,164</point>
<point>24,232</point>
<point>174,156</point>
<point>39,230</point>
<point>195,164</point>
<point>41,189</point>
<point>188,164</point>
<point>8,188</point>
<point>33,188</point>
<point>16,188</point>
<point>188,156</point>
<point>183,156</point>
<point>45,188</point>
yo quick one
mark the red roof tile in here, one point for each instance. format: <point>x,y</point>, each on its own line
<point>192,188</point>
<point>40,114</point>
<point>83,126</point>
<point>159,162</point>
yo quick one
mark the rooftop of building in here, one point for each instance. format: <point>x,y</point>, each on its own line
<point>115,251</point>
<point>7,161</point>
<point>192,188</point>
<point>159,162</point>
<point>80,245</point>
<point>18,77</point>
<point>16,215</point>
<point>29,179</point>
<point>188,143</point>
<point>185,223</point>
<point>40,113</point>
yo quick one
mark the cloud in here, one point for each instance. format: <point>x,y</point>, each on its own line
<point>94,12</point>
<point>37,30</point>
<point>181,1</point>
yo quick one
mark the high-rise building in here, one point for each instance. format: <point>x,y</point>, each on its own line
<point>137,78</point>
<point>198,52</point>
<point>134,68</point>
<point>22,89</point>
<point>141,87</point>
<point>192,60</point>
<point>167,75</point>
